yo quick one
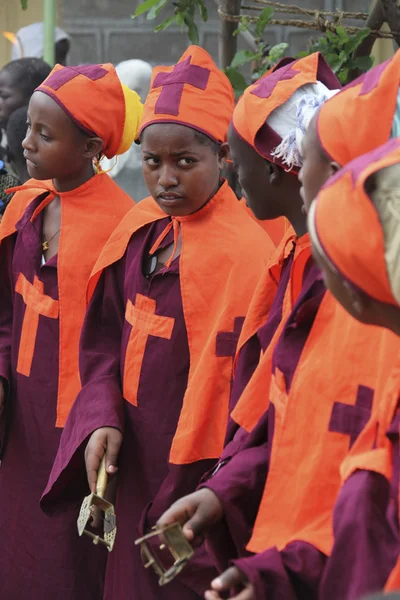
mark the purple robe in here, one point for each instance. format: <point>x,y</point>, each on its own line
<point>239,479</point>
<point>366,528</point>
<point>40,557</point>
<point>249,355</point>
<point>147,484</point>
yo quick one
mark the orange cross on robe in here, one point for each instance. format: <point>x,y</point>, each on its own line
<point>145,322</point>
<point>37,303</point>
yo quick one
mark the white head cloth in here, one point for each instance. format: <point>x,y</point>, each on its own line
<point>136,75</point>
<point>30,41</point>
<point>291,120</point>
<point>386,198</point>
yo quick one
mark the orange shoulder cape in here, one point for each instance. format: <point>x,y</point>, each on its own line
<point>331,385</point>
<point>276,228</point>
<point>249,408</point>
<point>372,450</point>
<point>223,255</point>
<point>88,216</point>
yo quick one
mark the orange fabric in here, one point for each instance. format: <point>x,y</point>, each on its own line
<point>144,322</point>
<point>275,229</point>
<point>270,92</point>
<point>36,304</point>
<point>98,202</point>
<point>249,408</point>
<point>88,95</point>
<point>212,298</point>
<point>194,92</point>
<point>303,479</point>
<point>365,107</point>
<point>373,450</point>
<point>364,265</point>
<point>393,583</point>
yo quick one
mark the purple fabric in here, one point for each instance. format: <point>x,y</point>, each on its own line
<point>239,480</point>
<point>147,483</point>
<point>295,333</point>
<point>267,331</point>
<point>173,83</point>
<point>351,419</point>
<point>292,574</point>
<point>366,539</point>
<point>227,341</point>
<point>267,84</point>
<point>62,76</point>
<point>6,303</point>
<point>372,77</point>
<point>40,557</point>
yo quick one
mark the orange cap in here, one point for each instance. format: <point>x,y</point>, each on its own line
<point>272,91</point>
<point>360,117</point>
<point>96,101</point>
<point>341,211</point>
<point>194,92</point>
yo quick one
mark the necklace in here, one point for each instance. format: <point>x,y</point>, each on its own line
<point>45,243</point>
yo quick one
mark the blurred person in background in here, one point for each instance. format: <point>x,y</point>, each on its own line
<point>127,170</point>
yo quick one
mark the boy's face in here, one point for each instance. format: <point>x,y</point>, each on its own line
<point>54,147</point>
<point>253,176</point>
<point>180,172</point>
<point>316,168</point>
<point>11,98</point>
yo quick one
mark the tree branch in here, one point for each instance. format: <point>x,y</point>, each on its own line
<point>391,14</point>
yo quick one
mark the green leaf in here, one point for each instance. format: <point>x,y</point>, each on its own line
<point>341,33</point>
<point>24,4</point>
<point>343,75</point>
<point>153,12</point>
<point>334,62</point>
<point>203,10</point>
<point>144,7</point>
<point>244,26</point>
<point>165,24</point>
<point>179,18</point>
<point>192,31</point>
<point>355,40</point>
<point>277,52</point>
<point>242,57</point>
<point>264,18</point>
<point>363,63</point>
<point>237,80</point>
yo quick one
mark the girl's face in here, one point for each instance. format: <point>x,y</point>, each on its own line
<point>54,147</point>
<point>181,173</point>
<point>11,98</point>
<point>316,169</point>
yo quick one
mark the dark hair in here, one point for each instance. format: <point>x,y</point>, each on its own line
<point>61,51</point>
<point>27,74</point>
<point>16,133</point>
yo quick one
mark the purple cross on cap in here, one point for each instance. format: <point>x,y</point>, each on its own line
<point>267,85</point>
<point>62,76</point>
<point>172,85</point>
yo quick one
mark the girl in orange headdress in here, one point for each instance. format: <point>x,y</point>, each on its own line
<point>365,279</point>
<point>50,238</point>
<point>173,287</point>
